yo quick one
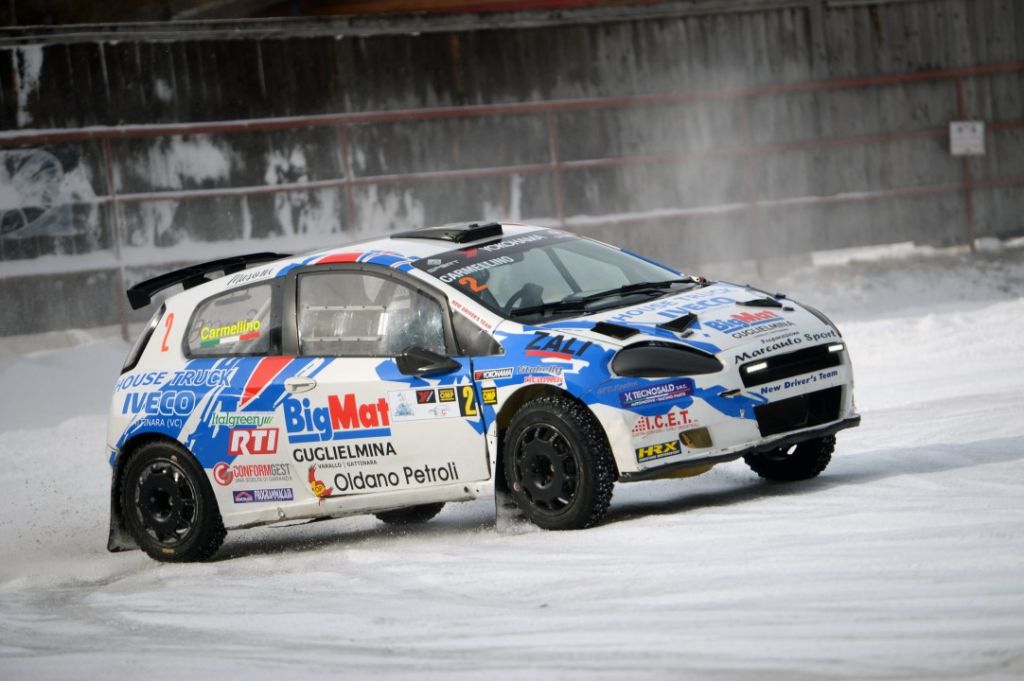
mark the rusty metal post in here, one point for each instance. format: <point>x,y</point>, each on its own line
<point>750,185</point>
<point>115,228</point>
<point>556,167</point>
<point>346,168</point>
<point>965,164</point>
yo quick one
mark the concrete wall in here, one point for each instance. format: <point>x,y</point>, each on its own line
<point>707,200</point>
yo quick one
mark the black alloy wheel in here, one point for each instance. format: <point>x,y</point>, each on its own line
<point>169,506</point>
<point>558,464</point>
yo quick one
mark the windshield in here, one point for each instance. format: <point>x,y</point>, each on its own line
<point>547,274</point>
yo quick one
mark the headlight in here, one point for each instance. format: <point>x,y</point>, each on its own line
<point>663,359</point>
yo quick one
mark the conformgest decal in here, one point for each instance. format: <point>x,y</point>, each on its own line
<point>224,474</point>
<point>658,392</point>
<point>344,417</point>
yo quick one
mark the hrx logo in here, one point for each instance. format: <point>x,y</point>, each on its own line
<point>657,451</point>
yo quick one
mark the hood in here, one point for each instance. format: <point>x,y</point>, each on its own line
<point>723,321</point>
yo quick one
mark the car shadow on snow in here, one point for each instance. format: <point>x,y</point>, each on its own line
<point>734,484</point>
<point>741,485</point>
<point>321,534</point>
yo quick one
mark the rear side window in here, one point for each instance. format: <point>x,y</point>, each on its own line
<point>354,314</point>
<point>239,322</point>
<point>140,343</point>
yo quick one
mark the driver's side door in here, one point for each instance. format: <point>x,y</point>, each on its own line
<point>355,423</point>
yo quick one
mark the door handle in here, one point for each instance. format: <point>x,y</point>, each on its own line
<point>299,384</point>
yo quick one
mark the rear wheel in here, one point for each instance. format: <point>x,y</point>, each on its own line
<point>801,461</point>
<point>168,505</point>
<point>558,464</point>
<point>411,515</point>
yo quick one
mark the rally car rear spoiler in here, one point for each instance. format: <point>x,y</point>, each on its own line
<point>142,293</point>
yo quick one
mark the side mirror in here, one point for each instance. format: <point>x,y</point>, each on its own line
<point>417,361</point>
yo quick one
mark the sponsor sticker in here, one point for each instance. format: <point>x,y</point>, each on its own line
<point>658,451</point>
<point>743,324</point>
<point>543,344</point>
<point>491,374</point>
<point>242,330</point>
<point>446,394</point>
<point>418,405</point>
<point>798,382</point>
<point>658,392</point>
<point>248,496</point>
<point>252,441</point>
<point>490,395</point>
<point>344,455</point>
<point>344,417</point>
<point>234,420</point>
<point>228,474</point>
<point>659,423</point>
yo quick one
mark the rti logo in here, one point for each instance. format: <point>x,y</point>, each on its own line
<point>252,441</point>
<point>344,417</point>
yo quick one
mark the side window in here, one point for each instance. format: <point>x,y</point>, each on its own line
<point>238,322</point>
<point>473,341</point>
<point>353,314</point>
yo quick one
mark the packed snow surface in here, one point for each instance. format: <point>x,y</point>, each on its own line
<point>904,560</point>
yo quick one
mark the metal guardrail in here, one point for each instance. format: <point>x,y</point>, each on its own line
<point>556,166</point>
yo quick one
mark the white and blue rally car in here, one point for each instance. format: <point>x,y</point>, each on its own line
<point>447,364</point>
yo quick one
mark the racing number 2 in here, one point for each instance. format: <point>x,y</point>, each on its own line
<point>167,326</point>
<point>467,405</point>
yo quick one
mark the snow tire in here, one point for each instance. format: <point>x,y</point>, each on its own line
<point>169,506</point>
<point>802,461</point>
<point>558,464</point>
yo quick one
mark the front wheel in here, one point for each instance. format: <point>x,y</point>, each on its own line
<point>168,505</point>
<point>558,464</point>
<point>801,461</point>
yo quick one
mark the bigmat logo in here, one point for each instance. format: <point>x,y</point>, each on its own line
<point>252,441</point>
<point>744,320</point>
<point>343,418</point>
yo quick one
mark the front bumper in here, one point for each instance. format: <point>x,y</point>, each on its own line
<point>776,443</point>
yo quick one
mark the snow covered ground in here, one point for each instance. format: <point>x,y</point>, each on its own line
<point>905,560</point>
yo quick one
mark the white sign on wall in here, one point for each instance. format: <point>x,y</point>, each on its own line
<point>967,138</point>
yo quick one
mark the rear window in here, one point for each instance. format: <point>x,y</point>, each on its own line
<point>239,322</point>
